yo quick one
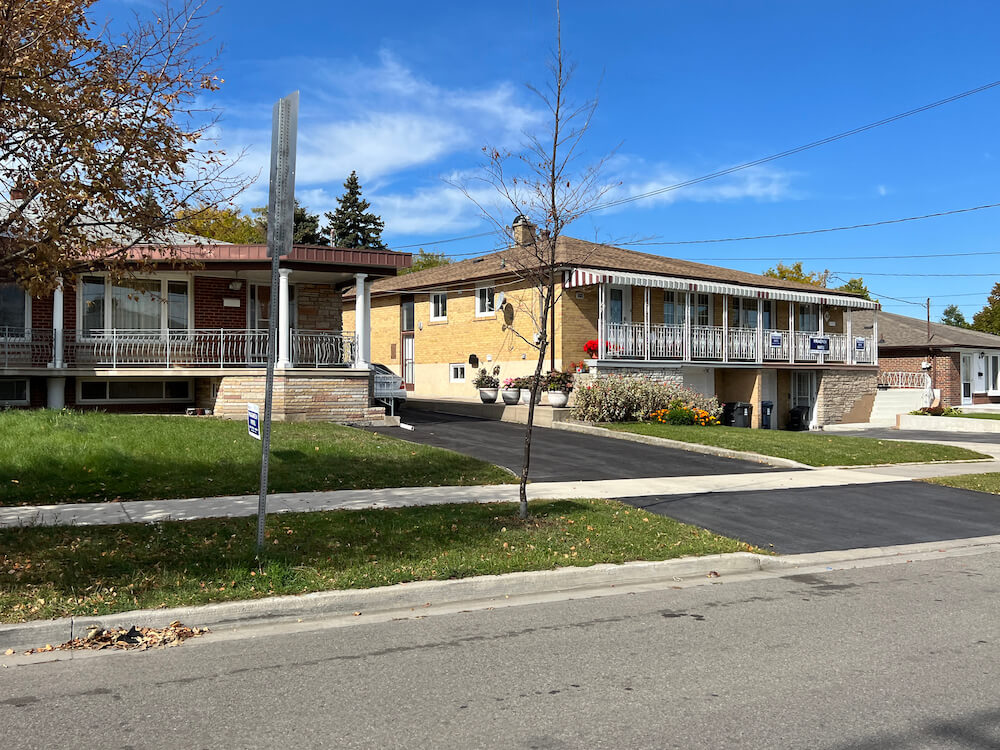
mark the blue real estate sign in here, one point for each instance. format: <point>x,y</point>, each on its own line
<point>819,344</point>
<point>253,420</point>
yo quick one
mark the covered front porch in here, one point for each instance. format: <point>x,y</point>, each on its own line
<point>646,318</point>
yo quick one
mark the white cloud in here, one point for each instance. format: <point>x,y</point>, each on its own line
<point>638,178</point>
<point>882,190</point>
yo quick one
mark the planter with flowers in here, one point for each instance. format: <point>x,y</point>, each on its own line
<point>590,348</point>
<point>511,391</point>
<point>526,389</point>
<point>558,384</point>
<point>488,385</point>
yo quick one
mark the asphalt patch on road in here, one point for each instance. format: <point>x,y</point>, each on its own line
<point>817,519</point>
<point>560,456</point>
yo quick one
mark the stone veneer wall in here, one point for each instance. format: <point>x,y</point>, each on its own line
<point>327,397</point>
<point>839,391</point>
<point>659,374</point>
<point>319,307</point>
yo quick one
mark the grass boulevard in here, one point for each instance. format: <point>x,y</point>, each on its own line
<point>813,449</point>
<point>60,571</point>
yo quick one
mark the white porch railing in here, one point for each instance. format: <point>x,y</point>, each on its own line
<point>628,341</point>
<point>215,347</point>
<point>904,380</point>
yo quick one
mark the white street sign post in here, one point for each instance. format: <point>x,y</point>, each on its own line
<point>280,213</point>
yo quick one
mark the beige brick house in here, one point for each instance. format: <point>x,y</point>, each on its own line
<point>739,336</point>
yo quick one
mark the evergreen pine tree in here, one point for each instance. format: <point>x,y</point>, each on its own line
<point>952,316</point>
<point>350,225</point>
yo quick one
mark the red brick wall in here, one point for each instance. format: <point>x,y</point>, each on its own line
<point>41,313</point>
<point>208,309</point>
<point>945,372</point>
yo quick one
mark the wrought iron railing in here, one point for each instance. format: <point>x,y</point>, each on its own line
<point>25,347</point>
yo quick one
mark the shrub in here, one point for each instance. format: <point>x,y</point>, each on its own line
<point>937,411</point>
<point>680,413</point>
<point>619,398</point>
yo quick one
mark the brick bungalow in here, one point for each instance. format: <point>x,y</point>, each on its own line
<point>963,365</point>
<point>195,335</point>
<point>739,336</point>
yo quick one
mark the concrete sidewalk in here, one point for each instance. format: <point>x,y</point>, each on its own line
<point>186,509</point>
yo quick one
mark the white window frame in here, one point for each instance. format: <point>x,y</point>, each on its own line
<point>435,297</point>
<point>710,309</point>
<point>814,309</point>
<point>19,402</point>
<point>164,280</point>
<point>27,316</point>
<point>676,300</point>
<point>452,369</point>
<point>991,368</point>
<point>480,312</point>
<point>162,400</point>
<point>739,306</point>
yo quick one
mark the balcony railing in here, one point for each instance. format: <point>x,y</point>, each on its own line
<point>209,347</point>
<point>719,344</point>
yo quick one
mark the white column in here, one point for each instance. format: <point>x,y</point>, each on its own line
<point>791,331</point>
<point>362,320</point>
<point>725,327</point>
<point>283,318</point>
<point>760,330</point>
<point>56,392</point>
<point>849,331</point>
<point>645,318</point>
<point>57,325</point>
<point>821,359</point>
<point>601,334</point>
<point>875,336</point>
<point>687,326</point>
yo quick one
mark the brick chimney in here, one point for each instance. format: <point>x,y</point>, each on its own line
<point>524,231</point>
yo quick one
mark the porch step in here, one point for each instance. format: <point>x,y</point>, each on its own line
<point>893,401</point>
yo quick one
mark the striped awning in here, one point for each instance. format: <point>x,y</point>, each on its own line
<point>589,276</point>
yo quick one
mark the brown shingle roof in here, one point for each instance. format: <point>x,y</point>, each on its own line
<point>580,253</point>
<point>902,331</point>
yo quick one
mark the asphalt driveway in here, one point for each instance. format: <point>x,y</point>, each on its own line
<point>932,436</point>
<point>558,456</point>
<point>829,518</point>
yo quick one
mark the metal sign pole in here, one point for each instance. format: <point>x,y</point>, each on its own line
<point>280,215</point>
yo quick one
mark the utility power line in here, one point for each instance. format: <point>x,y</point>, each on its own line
<point>746,165</point>
<point>815,231</point>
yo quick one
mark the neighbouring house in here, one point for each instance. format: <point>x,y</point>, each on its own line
<point>172,337</point>
<point>960,365</point>
<point>739,336</point>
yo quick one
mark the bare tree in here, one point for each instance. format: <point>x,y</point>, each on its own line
<point>103,137</point>
<point>546,189</point>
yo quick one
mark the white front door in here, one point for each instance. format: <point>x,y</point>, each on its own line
<point>966,374</point>
<point>620,304</point>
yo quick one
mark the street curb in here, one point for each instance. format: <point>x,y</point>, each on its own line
<point>480,590</point>
<point>418,594</point>
<point>711,450</point>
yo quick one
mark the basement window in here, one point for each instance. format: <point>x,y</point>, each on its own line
<point>119,391</point>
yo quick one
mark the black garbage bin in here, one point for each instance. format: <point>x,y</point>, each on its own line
<point>766,408</point>
<point>728,414</point>
<point>798,418</point>
<point>743,414</point>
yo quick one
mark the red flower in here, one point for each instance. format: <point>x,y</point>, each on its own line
<point>590,348</point>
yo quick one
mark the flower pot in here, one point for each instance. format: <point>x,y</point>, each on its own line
<point>511,396</point>
<point>488,395</point>
<point>558,399</point>
<point>526,396</point>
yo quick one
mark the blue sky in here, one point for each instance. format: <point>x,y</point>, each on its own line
<point>407,94</point>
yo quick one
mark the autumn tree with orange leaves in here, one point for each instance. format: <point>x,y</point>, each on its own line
<point>103,136</point>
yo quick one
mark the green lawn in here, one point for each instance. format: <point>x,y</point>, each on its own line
<point>980,482</point>
<point>978,415</point>
<point>60,457</point>
<point>60,571</point>
<point>814,449</point>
